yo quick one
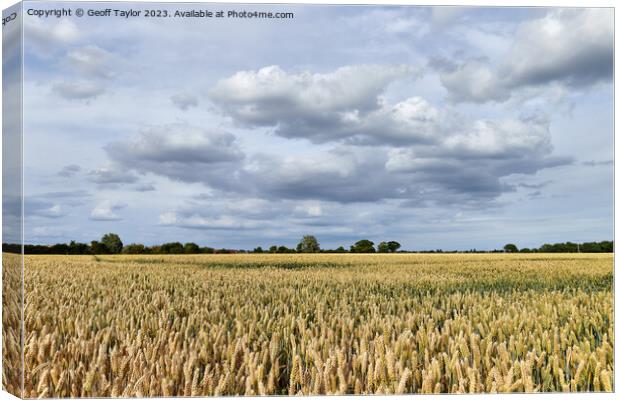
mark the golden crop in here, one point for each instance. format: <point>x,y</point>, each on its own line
<point>317,324</point>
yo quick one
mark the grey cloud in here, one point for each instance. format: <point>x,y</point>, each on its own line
<point>475,81</point>
<point>177,144</point>
<point>111,175</point>
<point>145,188</point>
<point>78,90</point>
<point>69,170</point>
<point>181,152</point>
<point>467,166</point>
<point>51,205</point>
<point>444,15</point>
<point>53,211</point>
<point>71,194</point>
<point>534,195</point>
<point>340,175</point>
<point>534,185</point>
<point>90,60</point>
<point>107,211</point>
<point>184,101</point>
<point>51,33</point>
<point>594,163</point>
<point>197,221</point>
<point>229,213</point>
<point>345,104</point>
<point>571,47</point>
<point>438,175</point>
<point>472,163</point>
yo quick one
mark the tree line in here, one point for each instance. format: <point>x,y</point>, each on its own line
<point>606,246</point>
<point>111,243</point>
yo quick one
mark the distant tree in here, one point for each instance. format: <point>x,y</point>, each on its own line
<point>363,246</point>
<point>591,247</point>
<point>112,242</point>
<point>308,244</point>
<point>191,248</point>
<point>393,246</point>
<point>273,249</point>
<point>97,247</point>
<point>258,250</point>
<point>607,246</point>
<point>383,247</point>
<point>59,248</point>
<point>172,248</point>
<point>207,250</point>
<point>525,250</point>
<point>134,248</point>
<point>78,248</point>
<point>511,248</point>
<point>284,249</point>
<point>340,249</point>
<point>546,248</point>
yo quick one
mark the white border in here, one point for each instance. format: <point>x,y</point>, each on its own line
<point>488,3</point>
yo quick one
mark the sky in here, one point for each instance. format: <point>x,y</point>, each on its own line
<point>446,127</point>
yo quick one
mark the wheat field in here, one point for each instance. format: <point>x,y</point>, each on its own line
<point>317,324</point>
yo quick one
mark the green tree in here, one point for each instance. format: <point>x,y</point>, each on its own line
<point>393,246</point>
<point>273,249</point>
<point>172,248</point>
<point>112,242</point>
<point>340,249</point>
<point>308,244</point>
<point>191,248</point>
<point>96,247</point>
<point>383,247</point>
<point>258,250</point>
<point>78,248</point>
<point>591,247</point>
<point>510,248</point>
<point>133,248</point>
<point>363,246</point>
<point>59,248</point>
<point>284,249</point>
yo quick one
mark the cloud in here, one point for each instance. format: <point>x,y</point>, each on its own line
<point>42,208</point>
<point>47,232</point>
<point>474,81</point>
<point>50,34</point>
<point>341,175</point>
<point>570,47</point>
<point>226,212</point>
<point>145,188</point>
<point>49,205</point>
<point>69,170</point>
<point>106,211</point>
<point>180,152</point>
<point>459,162</point>
<point>534,185</point>
<point>463,169</point>
<point>474,160</point>
<point>594,163</point>
<point>184,101</point>
<point>444,15</point>
<point>55,211</point>
<point>111,175</point>
<point>78,90</point>
<point>90,60</point>
<point>346,103</point>
<point>195,221</point>
<point>508,138</point>
<point>71,194</point>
